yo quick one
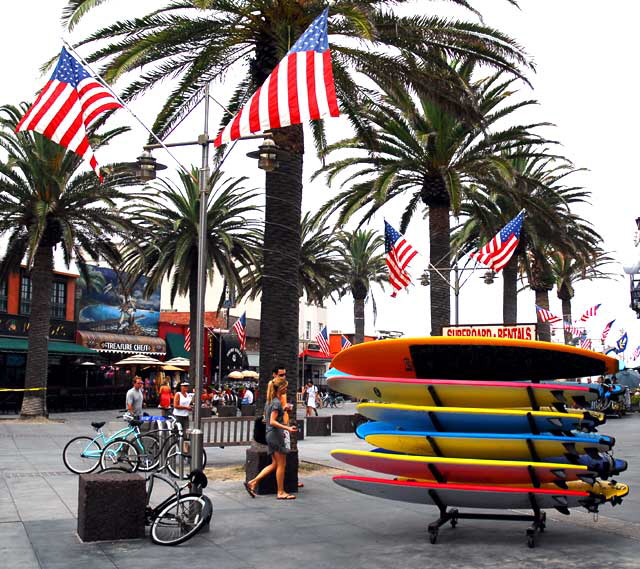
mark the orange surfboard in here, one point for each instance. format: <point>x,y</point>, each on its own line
<point>472,358</point>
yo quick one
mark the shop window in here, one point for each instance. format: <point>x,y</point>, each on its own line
<point>59,300</point>
<point>4,296</point>
<point>307,330</point>
<point>25,294</point>
<point>320,327</point>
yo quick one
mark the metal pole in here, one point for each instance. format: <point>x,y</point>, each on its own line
<point>219,360</point>
<point>456,292</point>
<point>196,457</point>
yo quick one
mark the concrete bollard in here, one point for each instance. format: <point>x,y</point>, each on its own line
<point>342,424</point>
<point>318,427</point>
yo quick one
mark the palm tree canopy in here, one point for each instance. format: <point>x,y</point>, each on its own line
<point>170,229</point>
<point>200,42</point>
<point>45,199</point>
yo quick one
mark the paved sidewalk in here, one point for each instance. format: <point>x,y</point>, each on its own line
<point>326,526</point>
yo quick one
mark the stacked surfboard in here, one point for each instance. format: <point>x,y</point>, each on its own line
<point>479,423</point>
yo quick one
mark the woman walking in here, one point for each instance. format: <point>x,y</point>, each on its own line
<point>165,397</point>
<point>275,430</point>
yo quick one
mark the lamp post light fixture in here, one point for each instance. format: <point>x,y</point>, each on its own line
<point>267,155</point>
<point>147,166</point>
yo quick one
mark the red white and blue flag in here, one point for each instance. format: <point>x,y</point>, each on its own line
<point>585,343</point>
<point>636,353</point>
<point>497,252</point>
<point>545,316</point>
<point>187,340</point>
<point>240,328</point>
<point>606,330</point>
<point>323,341</point>
<point>345,343</point>
<point>399,253</point>
<point>573,329</point>
<point>299,89</point>
<point>67,105</point>
<point>589,313</point>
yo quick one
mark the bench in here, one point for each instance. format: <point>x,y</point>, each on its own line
<point>227,431</point>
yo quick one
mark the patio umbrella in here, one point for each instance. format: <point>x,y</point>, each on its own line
<point>250,374</point>
<point>182,362</point>
<point>171,368</point>
<point>235,375</point>
<point>139,359</point>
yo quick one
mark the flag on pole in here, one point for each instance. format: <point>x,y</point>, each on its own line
<point>545,316</point>
<point>187,340</point>
<point>636,353</point>
<point>497,252</point>
<point>240,328</point>
<point>67,105</point>
<point>621,344</point>
<point>299,89</point>
<point>585,343</point>
<point>345,342</point>
<point>323,341</point>
<point>606,330</point>
<point>572,329</point>
<point>589,313</point>
<point>399,254</point>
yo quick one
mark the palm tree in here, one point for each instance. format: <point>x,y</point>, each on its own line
<point>46,202</point>
<point>362,262</point>
<point>202,40</point>
<point>434,157</point>
<point>170,224</point>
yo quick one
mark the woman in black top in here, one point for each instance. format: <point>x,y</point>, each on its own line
<point>275,429</point>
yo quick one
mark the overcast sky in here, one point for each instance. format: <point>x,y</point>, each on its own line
<point>586,83</point>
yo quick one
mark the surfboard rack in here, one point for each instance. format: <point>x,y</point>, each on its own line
<point>538,519</point>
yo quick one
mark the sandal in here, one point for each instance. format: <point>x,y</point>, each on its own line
<point>287,497</point>
<point>249,490</point>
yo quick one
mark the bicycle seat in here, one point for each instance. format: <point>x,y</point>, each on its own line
<point>198,478</point>
<point>98,425</point>
<point>135,423</point>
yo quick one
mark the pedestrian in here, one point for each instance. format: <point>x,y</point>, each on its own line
<point>182,401</point>
<point>311,398</point>
<point>275,429</point>
<point>135,398</point>
<point>247,396</point>
<point>164,403</point>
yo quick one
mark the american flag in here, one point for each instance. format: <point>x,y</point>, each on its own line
<point>585,343</point>
<point>497,252</point>
<point>299,89</point>
<point>323,341</point>
<point>345,342</point>
<point>545,316</point>
<point>187,340</point>
<point>240,328</point>
<point>66,107</point>
<point>606,330</point>
<point>398,256</point>
<point>589,313</point>
<point>573,329</point>
<point>636,353</point>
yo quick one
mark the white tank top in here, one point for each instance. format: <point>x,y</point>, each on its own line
<point>185,401</point>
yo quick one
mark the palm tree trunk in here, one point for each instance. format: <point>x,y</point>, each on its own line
<point>34,403</point>
<point>544,328</point>
<point>279,308</point>
<point>439,257</point>
<point>510,292</point>
<point>358,319</point>
<point>193,305</point>
<point>566,315</point>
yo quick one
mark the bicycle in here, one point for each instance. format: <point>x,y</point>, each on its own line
<point>180,516</point>
<point>82,454</point>
<point>329,400</point>
<point>175,456</point>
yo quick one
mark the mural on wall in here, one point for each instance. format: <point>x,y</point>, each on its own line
<point>111,302</point>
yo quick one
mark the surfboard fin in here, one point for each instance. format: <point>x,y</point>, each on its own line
<point>561,484</point>
<point>563,510</point>
<point>587,478</point>
<point>559,473</point>
<point>559,395</point>
<point>592,452</point>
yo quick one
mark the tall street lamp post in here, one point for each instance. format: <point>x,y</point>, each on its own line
<point>145,170</point>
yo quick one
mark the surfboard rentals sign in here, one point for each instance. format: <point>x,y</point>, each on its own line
<point>517,332</point>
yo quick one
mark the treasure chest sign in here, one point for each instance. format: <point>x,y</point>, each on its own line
<point>113,302</point>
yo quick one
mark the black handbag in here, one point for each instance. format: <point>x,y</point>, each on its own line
<point>260,431</point>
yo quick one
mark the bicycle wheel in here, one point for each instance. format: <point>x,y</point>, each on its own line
<point>149,450</point>
<point>174,456</point>
<point>81,455</point>
<point>339,402</point>
<point>120,454</point>
<point>181,519</point>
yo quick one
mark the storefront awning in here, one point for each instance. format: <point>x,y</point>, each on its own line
<point>314,356</point>
<point>59,348</point>
<point>122,343</point>
<point>175,346</point>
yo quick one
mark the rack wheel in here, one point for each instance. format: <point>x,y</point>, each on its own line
<point>454,522</point>
<point>531,541</point>
<point>433,535</point>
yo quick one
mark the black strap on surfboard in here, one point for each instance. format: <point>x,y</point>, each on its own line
<point>434,445</point>
<point>434,395</point>
<point>532,451</point>
<point>437,475</point>
<point>435,421</point>
<point>535,481</point>
<point>532,424</point>
<point>532,399</point>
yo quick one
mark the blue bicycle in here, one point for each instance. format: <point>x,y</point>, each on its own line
<point>127,449</point>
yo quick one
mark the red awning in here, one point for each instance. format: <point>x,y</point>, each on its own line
<point>316,354</point>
